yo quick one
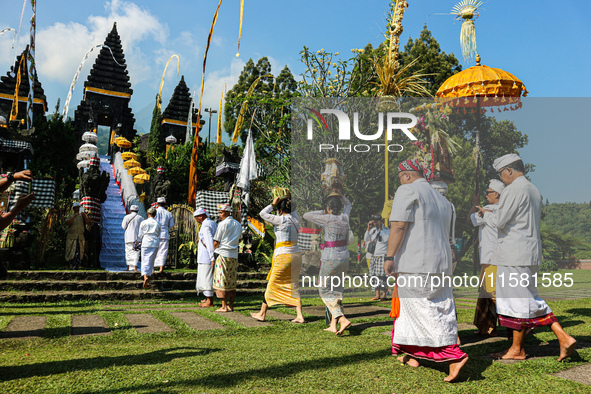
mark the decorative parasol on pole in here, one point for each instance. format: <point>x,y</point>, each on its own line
<point>477,87</point>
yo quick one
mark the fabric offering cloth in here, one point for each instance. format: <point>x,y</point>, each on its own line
<point>283,286</point>
<point>225,276</point>
<point>334,259</point>
<point>92,208</point>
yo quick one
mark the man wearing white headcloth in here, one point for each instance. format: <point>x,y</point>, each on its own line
<point>166,224</point>
<point>205,256</point>
<point>518,219</point>
<point>485,316</point>
<point>419,250</point>
<point>131,226</point>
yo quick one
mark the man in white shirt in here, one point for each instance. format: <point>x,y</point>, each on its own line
<point>166,224</point>
<point>131,226</point>
<point>205,257</point>
<point>378,234</point>
<point>226,241</point>
<point>418,249</point>
<point>485,316</point>
<point>518,219</point>
<point>149,234</point>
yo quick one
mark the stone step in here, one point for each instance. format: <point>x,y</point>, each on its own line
<point>114,276</point>
<point>102,295</point>
<point>89,285</point>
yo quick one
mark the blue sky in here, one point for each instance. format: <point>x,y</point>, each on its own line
<point>543,43</point>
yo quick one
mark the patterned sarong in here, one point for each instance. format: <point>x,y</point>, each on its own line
<point>485,315</point>
<point>92,207</point>
<point>225,276</point>
<point>283,280</point>
<point>516,323</point>
<point>376,269</point>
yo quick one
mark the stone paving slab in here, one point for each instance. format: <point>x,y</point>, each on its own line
<point>196,321</point>
<point>146,324</point>
<point>280,315</point>
<point>580,374</point>
<point>25,327</point>
<point>246,321</point>
<point>89,325</point>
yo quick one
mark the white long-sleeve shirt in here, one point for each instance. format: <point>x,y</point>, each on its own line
<point>149,233</point>
<point>425,248</point>
<point>228,234</point>
<point>131,225</point>
<point>518,220</point>
<point>488,237</point>
<point>166,222</point>
<point>336,228</point>
<point>286,229</point>
<point>205,248</point>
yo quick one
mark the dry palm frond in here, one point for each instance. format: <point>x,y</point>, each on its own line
<point>467,10</point>
<point>395,81</point>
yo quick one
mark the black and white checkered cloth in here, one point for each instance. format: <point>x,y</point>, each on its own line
<point>209,200</point>
<point>15,146</point>
<point>43,189</point>
<point>306,236</point>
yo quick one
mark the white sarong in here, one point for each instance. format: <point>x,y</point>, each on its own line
<point>148,256</point>
<point>204,281</point>
<point>518,301</point>
<point>162,253</point>
<point>427,317</point>
<point>131,256</point>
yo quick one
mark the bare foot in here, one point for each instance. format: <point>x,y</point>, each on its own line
<point>206,304</point>
<point>230,309</point>
<point>331,329</point>
<point>223,310</point>
<point>510,354</point>
<point>406,359</point>
<point>160,270</point>
<point>257,316</point>
<point>146,281</point>
<point>375,298</point>
<point>135,270</point>
<point>567,349</point>
<point>344,325</point>
<point>454,369</point>
<point>298,320</point>
<point>459,341</point>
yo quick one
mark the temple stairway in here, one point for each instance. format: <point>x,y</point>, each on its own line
<point>112,257</point>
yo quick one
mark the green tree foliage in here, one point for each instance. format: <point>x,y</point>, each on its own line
<point>438,65</point>
<point>156,143</point>
<point>569,218</point>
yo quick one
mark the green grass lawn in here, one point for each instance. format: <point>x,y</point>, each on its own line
<point>278,358</point>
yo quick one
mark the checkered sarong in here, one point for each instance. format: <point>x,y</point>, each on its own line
<point>376,266</point>
<point>43,189</point>
<point>92,208</point>
<point>209,200</point>
<point>15,146</point>
<point>305,236</point>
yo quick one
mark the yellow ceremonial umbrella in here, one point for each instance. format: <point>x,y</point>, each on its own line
<point>136,171</point>
<point>141,178</point>
<point>131,163</point>
<point>123,143</point>
<point>128,156</point>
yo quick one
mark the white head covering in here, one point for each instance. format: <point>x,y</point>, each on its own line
<point>440,186</point>
<point>504,161</point>
<point>200,211</point>
<point>134,208</point>
<point>224,207</point>
<point>161,200</point>
<point>497,186</point>
<point>76,205</point>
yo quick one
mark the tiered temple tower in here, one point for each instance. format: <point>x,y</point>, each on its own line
<point>174,118</point>
<point>8,87</point>
<point>107,92</point>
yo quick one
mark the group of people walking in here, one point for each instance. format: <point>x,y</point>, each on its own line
<point>147,240</point>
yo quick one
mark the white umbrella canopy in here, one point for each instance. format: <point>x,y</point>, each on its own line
<point>171,139</point>
<point>89,136</point>
<point>83,164</point>
<point>88,147</point>
<point>84,155</point>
